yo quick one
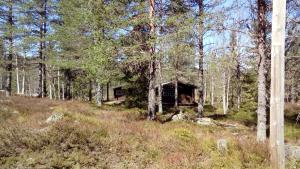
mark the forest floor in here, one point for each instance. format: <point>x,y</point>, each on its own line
<point>116,137</point>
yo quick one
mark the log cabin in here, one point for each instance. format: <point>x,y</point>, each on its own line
<point>186,94</point>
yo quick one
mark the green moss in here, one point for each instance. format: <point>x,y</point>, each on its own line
<point>292,131</point>
<point>184,135</point>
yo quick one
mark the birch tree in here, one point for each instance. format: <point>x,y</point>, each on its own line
<point>262,59</point>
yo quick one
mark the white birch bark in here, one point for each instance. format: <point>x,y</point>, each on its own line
<point>212,91</point>
<point>63,91</point>
<point>224,94</point>
<point>99,95</point>
<point>50,91</point>
<point>227,91</point>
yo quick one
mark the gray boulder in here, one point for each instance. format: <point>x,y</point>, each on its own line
<point>55,117</point>
<point>205,121</point>
<point>292,152</point>
<point>178,117</point>
<point>222,145</point>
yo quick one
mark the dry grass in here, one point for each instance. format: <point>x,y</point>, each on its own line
<point>114,137</point>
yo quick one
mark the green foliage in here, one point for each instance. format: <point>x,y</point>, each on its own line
<point>184,135</point>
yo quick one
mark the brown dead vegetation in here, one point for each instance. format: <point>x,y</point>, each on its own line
<point>115,137</point>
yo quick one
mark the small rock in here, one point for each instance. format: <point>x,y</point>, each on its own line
<point>44,130</point>
<point>178,117</point>
<point>30,161</point>
<point>4,109</point>
<point>205,121</point>
<point>235,134</point>
<point>222,145</point>
<point>292,152</point>
<point>55,117</point>
<point>15,112</point>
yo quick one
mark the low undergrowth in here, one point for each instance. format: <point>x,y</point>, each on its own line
<point>114,137</point>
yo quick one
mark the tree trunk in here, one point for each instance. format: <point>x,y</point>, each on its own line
<point>239,89</point>
<point>236,57</point>
<point>293,91</point>
<point>63,91</point>
<point>224,94</point>
<point>17,74</point>
<point>277,85</point>
<point>10,50</point>
<point>54,90</point>
<point>41,74</point>
<point>50,91</point>
<point>68,84</point>
<point>90,91</point>
<point>176,92</point>
<point>159,61</point>
<point>99,95</point>
<point>24,75</point>
<point>29,88</point>
<point>160,107</point>
<point>205,91</point>
<point>42,47</point>
<point>2,57</point>
<point>212,96</point>
<point>107,91</point>
<point>262,103</point>
<point>201,58</point>
<point>58,84</point>
<point>227,91</point>
<point>152,67</point>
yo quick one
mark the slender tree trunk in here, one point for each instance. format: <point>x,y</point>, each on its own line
<point>41,74</point>
<point>24,74</point>
<point>152,67</point>
<point>205,91</point>
<point>90,91</point>
<point>50,91</point>
<point>227,91</point>
<point>23,83</point>
<point>42,47</point>
<point>201,58</point>
<point>293,91</point>
<point>99,95</point>
<point>262,103</point>
<point>54,90</point>
<point>29,88</point>
<point>277,85</point>
<point>159,67</point>
<point>10,50</point>
<point>212,96</point>
<point>17,74</point>
<point>58,84</point>
<point>239,89</point>
<point>236,56</point>
<point>1,82</point>
<point>107,91</point>
<point>224,94</point>
<point>176,91</point>
<point>63,91</point>
<point>68,84</point>
<point>2,57</point>
<point>160,107</point>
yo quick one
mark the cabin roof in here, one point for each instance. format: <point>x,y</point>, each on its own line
<point>180,82</point>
